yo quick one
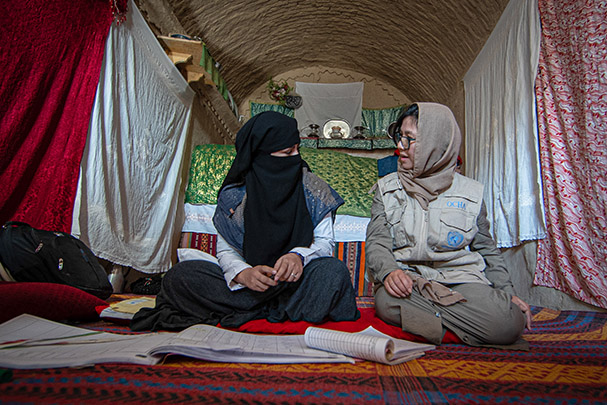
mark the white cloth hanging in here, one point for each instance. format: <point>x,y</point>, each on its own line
<point>131,172</point>
<point>501,125</point>
<point>322,102</point>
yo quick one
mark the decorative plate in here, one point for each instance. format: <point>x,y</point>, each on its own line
<point>336,129</point>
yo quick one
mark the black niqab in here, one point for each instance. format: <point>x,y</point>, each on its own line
<point>276,218</point>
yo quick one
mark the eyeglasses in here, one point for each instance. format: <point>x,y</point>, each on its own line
<point>398,137</point>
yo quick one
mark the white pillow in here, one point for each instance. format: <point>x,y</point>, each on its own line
<point>194,254</point>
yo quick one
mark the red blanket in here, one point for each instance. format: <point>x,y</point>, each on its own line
<point>367,318</point>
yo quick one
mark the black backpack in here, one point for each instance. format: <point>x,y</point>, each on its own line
<point>35,255</point>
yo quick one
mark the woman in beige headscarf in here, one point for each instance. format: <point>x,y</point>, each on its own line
<point>429,251</point>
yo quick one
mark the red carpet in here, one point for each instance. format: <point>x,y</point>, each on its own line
<point>567,363</point>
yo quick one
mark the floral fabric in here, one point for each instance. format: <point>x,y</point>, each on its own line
<point>572,114</point>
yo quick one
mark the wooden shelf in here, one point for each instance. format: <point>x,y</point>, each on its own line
<point>178,58</point>
<point>359,144</point>
<point>187,54</point>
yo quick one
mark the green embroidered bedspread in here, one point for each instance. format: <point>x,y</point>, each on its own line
<point>351,176</point>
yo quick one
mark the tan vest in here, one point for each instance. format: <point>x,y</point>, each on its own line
<point>435,242</point>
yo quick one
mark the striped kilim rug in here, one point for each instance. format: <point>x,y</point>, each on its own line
<point>567,364</point>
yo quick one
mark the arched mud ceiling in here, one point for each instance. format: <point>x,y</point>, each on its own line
<point>423,48</point>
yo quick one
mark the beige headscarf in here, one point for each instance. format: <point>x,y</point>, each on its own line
<point>436,150</point>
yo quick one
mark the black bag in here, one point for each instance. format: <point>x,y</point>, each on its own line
<point>35,255</point>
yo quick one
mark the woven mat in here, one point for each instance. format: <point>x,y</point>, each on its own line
<point>567,363</point>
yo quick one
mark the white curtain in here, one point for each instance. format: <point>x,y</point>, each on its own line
<point>322,102</point>
<point>501,125</point>
<point>130,177</point>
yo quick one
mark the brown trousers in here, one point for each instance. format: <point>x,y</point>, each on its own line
<point>487,317</point>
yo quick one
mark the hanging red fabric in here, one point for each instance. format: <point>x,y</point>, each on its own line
<point>51,54</point>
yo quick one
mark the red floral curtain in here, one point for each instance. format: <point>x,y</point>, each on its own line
<point>571,91</point>
<point>51,54</point>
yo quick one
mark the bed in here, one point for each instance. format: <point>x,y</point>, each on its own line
<point>566,363</point>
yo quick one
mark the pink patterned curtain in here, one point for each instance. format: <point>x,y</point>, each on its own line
<point>571,91</point>
<point>50,59</point>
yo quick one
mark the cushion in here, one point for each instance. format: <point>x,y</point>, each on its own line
<point>351,176</point>
<point>387,165</point>
<point>210,164</point>
<point>57,302</point>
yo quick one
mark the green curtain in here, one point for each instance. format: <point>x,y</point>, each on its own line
<point>207,62</point>
<point>257,108</point>
<point>378,120</point>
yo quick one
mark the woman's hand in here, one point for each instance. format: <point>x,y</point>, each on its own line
<point>258,278</point>
<point>398,283</point>
<point>524,308</point>
<point>288,268</point>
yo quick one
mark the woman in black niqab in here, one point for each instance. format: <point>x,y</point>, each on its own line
<point>263,218</point>
<point>276,217</point>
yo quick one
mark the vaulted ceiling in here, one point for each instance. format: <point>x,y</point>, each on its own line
<point>421,47</point>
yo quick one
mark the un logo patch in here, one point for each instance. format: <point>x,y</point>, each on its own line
<point>454,239</point>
